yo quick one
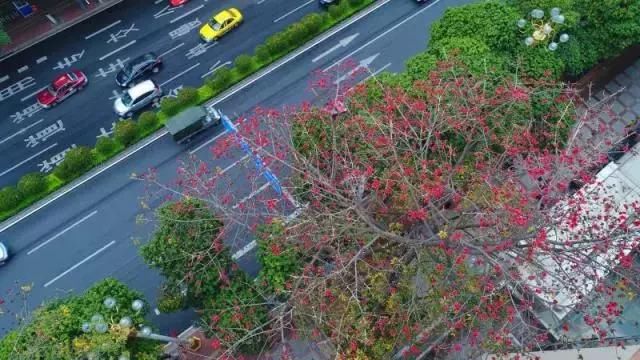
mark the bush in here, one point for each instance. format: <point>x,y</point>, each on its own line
<point>149,119</point>
<point>105,145</point>
<point>473,53</point>
<point>32,184</point>
<point>244,63</point>
<point>355,3</point>
<point>491,22</point>
<point>313,22</point>
<point>336,11</point>
<point>187,96</point>
<point>538,62</point>
<point>220,80</point>
<point>419,66</point>
<point>262,53</point>
<point>126,132</point>
<point>169,302</point>
<point>277,43</point>
<point>10,197</point>
<point>297,34</point>
<point>170,106</point>
<point>77,161</point>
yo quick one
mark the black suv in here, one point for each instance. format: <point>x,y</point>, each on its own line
<point>138,67</point>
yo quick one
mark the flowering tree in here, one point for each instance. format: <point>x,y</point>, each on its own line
<point>436,216</point>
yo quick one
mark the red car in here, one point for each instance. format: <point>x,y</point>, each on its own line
<point>61,88</point>
<point>177,2</point>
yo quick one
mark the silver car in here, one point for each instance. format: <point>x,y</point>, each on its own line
<point>4,254</point>
<point>136,98</point>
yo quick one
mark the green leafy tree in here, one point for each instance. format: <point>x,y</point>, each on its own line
<point>278,263</point>
<point>126,132</point>
<point>188,250</point>
<point>77,161</point>
<point>55,329</point>
<point>32,184</point>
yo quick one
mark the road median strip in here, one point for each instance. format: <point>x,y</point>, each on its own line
<point>109,152</point>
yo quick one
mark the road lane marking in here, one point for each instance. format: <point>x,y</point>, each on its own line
<point>4,78</point>
<point>294,10</point>
<point>102,30</point>
<point>80,263</point>
<point>375,73</point>
<point>384,33</point>
<point>34,93</point>
<point>41,60</point>
<point>287,59</point>
<point>172,49</point>
<point>208,142</point>
<point>28,159</point>
<point>180,74</point>
<point>248,197</point>
<point>215,67</point>
<point>23,69</point>
<point>158,2</point>
<point>21,131</point>
<point>116,50</point>
<point>186,14</point>
<point>62,232</point>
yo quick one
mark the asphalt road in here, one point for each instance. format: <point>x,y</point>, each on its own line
<point>100,47</point>
<point>94,231</point>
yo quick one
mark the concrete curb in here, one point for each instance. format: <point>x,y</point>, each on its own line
<point>100,8</point>
<point>158,134</point>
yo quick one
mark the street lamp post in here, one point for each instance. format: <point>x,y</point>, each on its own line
<point>544,29</point>
<point>100,325</point>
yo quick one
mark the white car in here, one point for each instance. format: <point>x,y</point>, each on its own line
<point>137,97</point>
<point>4,254</point>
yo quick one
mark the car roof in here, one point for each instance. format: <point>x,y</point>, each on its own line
<point>141,88</point>
<point>223,16</point>
<point>143,58</point>
<point>61,80</point>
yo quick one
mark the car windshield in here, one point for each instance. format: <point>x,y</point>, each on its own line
<point>126,99</point>
<point>51,89</point>
<point>215,25</point>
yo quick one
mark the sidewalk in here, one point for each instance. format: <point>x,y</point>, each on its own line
<point>49,18</point>
<point>299,350</point>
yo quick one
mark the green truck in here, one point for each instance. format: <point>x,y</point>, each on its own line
<point>191,121</point>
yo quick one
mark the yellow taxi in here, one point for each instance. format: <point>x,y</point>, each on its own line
<point>220,24</point>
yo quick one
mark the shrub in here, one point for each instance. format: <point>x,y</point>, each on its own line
<point>105,145</point>
<point>277,43</point>
<point>473,53</point>
<point>244,63</point>
<point>577,55</point>
<point>419,66</point>
<point>537,62</point>
<point>149,119</point>
<point>297,33</point>
<point>220,79</point>
<point>314,22</point>
<point>262,53</point>
<point>491,22</point>
<point>170,106</point>
<point>32,184</point>
<point>126,132</point>
<point>169,302</point>
<point>187,96</point>
<point>336,11</point>
<point>355,3</point>
<point>10,197</point>
<point>76,161</point>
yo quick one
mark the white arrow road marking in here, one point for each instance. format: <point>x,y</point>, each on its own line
<point>364,64</point>
<point>342,43</point>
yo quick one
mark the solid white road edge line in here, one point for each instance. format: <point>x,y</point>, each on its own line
<point>160,134</point>
<point>28,159</point>
<point>116,50</point>
<point>383,34</point>
<point>186,14</point>
<point>21,131</point>
<point>180,74</point>
<point>102,30</point>
<point>33,93</point>
<point>240,87</point>
<point>80,263</point>
<point>62,232</point>
<point>294,10</point>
